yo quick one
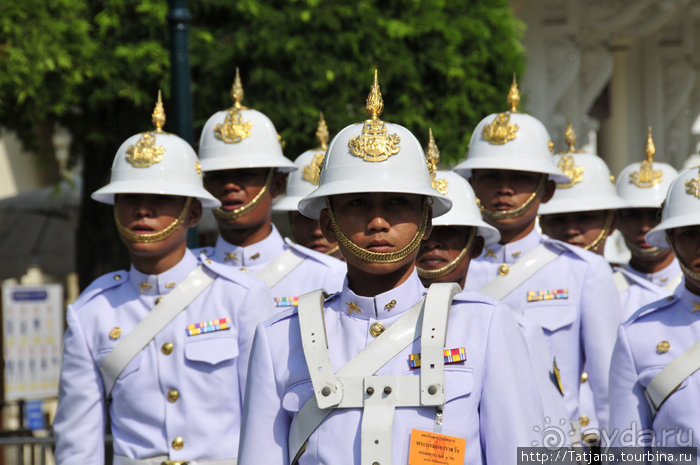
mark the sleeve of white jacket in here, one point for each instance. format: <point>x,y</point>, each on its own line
<point>265,424</point>
<point>80,418</point>
<point>511,412</point>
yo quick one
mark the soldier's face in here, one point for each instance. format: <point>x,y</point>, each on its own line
<point>236,188</point>
<point>148,214</point>
<point>307,232</point>
<point>634,223</point>
<point>504,190</point>
<point>444,246</point>
<point>377,222</point>
<point>686,246</point>
<point>580,229</point>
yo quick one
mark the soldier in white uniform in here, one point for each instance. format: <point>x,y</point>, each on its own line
<point>163,347</point>
<point>654,382</point>
<point>652,272</point>
<point>457,237</point>
<point>568,291</point>
<point>361,376</point>
<point>245,169</point>
<point>303,181</point>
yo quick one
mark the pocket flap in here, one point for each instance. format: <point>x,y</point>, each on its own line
<point>458,383</point>
<point>551,317</point>
<point>297,395</point>
<point>212,351</point>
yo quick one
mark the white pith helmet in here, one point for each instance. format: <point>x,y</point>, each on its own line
<point>241,138</point>
<point>681,207</point>
<point>464,211</point>
<point>304,180</point>
<point>645,184</point>
<point>511,141</point>
<point>691,162</point>
<point>373,156</point>
<point>156,162</point>
<point>591,188</point>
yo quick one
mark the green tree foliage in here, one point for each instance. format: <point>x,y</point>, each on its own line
<point>95,67</point>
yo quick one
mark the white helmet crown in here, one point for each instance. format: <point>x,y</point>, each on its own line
<point>645,184</point>
<point>241,138</point>
<point>591,188</point>
<point>156,162</point>
<point>304,180</point>
<point>681,207</point>
<point>511,141</point>
<point>373,156</point>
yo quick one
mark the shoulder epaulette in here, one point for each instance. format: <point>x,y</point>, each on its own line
<point>101,284</point>
<point>330,262</point>
<point>652,307</point>
<point>230,273</point>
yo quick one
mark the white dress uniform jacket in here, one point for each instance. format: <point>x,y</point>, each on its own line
<point>491,398</point>
<point>640,289</point>
<point>178,386</point>
<point>652,338</point>
<point>316,271</point>
<point>574,300</point>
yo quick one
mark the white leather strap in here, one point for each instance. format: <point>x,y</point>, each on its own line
<point>378,419</point>
<point>620,281</point>
<point>432,343</point>
<point>668,380</point>
<point>312,326</point>
<point>521,271</point>
<point>279,267</point>
<point>399,335</point>
<point>673,284</point>
<point>164,460</point>
<point>157,319</point>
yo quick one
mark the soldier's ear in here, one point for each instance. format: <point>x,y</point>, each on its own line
<point>613,223</point>
<point>195,213</point>
<point>476,248</point>
<point>549,188</point>
<point>279,184</point>
<point>324,221</point>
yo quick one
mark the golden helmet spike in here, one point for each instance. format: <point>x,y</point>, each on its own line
<point>158,115</point>
<point>322,133</point>
<point>514,96</point>
<point>650,149</point>
<point>237,91</point>
<point>375,103</point>
<point>570,137</point>
<point>433,153</point>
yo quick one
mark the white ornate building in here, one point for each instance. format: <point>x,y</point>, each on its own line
<point>614,68</point>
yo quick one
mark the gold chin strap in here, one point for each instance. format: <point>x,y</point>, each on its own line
<point>514,213</point>
<point>333,250</point>
<point>603,232</point>
<point>149,238</point>
<point>447,269</point>
<point>380,257</point>
<point>684,268</point>
<point>245,209</point>
<point>643,251</point>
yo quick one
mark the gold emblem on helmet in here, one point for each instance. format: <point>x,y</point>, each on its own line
<point>374,144</point>
<point>567,163</point>
<point>234,129</point>
<point>312,171</point>
<point>692,186</point>
<point>433,157</point>
<point>647,176</point>
<point>500,130</point>
<point>145,152</point>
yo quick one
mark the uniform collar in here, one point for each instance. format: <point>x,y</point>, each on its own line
<point>259,253</point>
<point>660,278</point>
<point>510,253</point>
<point>688,300</point>
<point>160,284</point>
<point>385,305</point>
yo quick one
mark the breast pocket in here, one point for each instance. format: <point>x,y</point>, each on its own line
<point>459,382</point>
<point>210,354</point>
<point>551,317</point>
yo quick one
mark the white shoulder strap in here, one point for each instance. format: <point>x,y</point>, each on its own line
<point>668,380</point>
<point>398,336</point>
<point>673,284</point>
<point>520,272</point>
<point>621,282</point>
<point>169,307</point>
<point>279,267</point>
